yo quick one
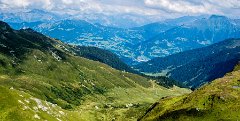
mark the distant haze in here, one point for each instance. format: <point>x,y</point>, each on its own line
<point>136,12</point>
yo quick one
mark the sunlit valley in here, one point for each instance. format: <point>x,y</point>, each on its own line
<point>90,60</point>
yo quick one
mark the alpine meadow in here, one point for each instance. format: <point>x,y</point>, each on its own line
<point>119,60</point>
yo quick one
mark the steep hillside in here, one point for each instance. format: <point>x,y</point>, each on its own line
<point>114,61</point>
<point>43,78</point>
<point>216,101</point>
<point>103,56</point>
<point>199,66</point>
<point>150,30</point>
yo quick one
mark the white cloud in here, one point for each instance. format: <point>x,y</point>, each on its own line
<point>15,3</point>
<point>234,4</point>
<point>67,2</point>
<point>140,7</point>
<point>181,6</point>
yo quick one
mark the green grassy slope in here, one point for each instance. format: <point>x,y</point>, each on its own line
<point>216,101</point>
<point>60,85</point>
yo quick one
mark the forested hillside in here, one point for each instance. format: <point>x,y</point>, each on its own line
<point>199,66</point>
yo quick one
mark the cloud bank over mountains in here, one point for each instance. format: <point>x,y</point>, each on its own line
<point>125,13</point>
<point>142,7</point>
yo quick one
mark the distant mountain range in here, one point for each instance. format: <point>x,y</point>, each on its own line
<point>196,67</point>
<point>29,16</point>
<point>117,20</point>
<point>190,35</point>
<point>143,43</point>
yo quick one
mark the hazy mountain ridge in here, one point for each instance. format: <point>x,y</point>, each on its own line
<point>33,15</point>
<point>118,21</point>
<point>190,35</point>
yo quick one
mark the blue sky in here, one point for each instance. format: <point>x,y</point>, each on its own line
<point>163,8</point>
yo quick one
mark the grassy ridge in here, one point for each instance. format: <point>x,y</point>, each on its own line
<point>216,101</point>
